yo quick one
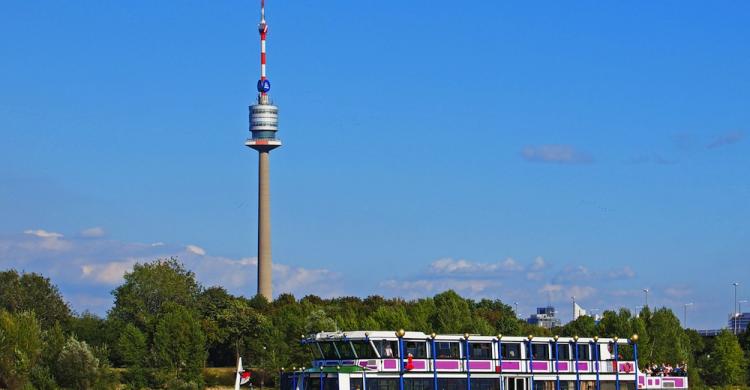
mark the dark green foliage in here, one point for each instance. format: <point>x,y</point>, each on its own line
<point>133,352</point>
<point>179,347</point>
<point>583,326</point>
<point>149,287</point>
<point>165,329</point>
<point>77,367</point>
<point>20,347</point>
<point>33,292</point>
<point>726,363</point>
<point>90,328</point>
<point>452,314</point>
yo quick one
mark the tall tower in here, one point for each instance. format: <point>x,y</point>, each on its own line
<point>264,120</point>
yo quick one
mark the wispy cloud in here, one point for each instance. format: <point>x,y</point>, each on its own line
<point>86,268</point>
<point>41,233</point>
<point>558,154</point>
<point>652,159</point>
<point>451,266</point>
<point>563,293</point>
<point>725,139</point>
<point>424,287</point>
<point>196,250</point>
<point>94,232</point>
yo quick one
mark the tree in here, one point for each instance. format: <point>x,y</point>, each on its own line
<point>133,352</point>
<point>452,313</point>
<point>20,347</point>
<point>77,367</point>
<point>391,318</point>
<point>725,361</point>
<point>213,304</point>
<point>90,328</point>
<point>179,349</point>
<point>318,321</point>
<point>667,342</point>
<point>33,292</point>
<point>615,324</point>
<point>583,326</point>
<point>149,287</point>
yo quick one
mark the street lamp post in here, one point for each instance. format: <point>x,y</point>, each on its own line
<point>645,290</point>
<point>516,304</point>
<point>734,309</point>
<point>263,375</point>
<point>684,315</point>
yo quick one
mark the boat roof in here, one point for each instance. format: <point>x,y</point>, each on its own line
<point>412,335</point>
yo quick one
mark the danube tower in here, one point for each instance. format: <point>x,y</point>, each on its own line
<point>264,120</point>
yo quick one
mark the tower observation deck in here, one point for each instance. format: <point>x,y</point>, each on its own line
<point>264,122</point>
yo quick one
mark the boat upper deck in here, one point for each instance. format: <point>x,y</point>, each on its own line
<point>383,351</point>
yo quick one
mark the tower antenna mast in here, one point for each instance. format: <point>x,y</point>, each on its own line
<point>264,122</point>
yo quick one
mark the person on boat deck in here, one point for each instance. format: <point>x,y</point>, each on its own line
<point>388,350</point>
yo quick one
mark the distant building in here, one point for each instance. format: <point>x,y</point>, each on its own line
<point>578,311</point>
<point>709,332</point>
<point>738,323</point>
<point>546,317</point>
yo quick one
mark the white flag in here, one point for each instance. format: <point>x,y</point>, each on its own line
<point>238,374</point>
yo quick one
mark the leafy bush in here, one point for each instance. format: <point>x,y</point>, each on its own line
<point>20,347</point>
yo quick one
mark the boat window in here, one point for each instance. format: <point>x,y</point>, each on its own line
<point>545,385</point>
<point>386,348</point>
<point>564,350</point>
<point>417,349</point>
<point>329,352</point>
<point>314,351</point>
<point>583,352</point>
<point>452,383</point>
<point>540,351</point>
<point>480,351</point>
<point>345,349</point>
<point>568,385</point>
<point>417,383</point>
<point>485,384</point>
<point>511,351</point>
<point>447,350</point>
<point>382,384</point>
<point>329,383</point>
<point>363,349</point>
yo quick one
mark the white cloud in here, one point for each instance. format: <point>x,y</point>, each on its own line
<point>94,232</point>
<point>46,241</point>
<point>423,287</point>
<point>538,263</point>
<point>451,266</point>
<point>41,233</point>
<point>563,293</point>
<point>677,292</point>
<point>196,250</point>
<point>621,273</point>
<point>110,273</point>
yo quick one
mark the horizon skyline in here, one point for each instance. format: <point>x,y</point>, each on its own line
<point>500,150</point>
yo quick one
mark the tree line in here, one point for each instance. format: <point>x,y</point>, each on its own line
<point>165,328</point>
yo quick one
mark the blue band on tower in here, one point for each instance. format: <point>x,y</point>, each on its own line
<point>264,86</point>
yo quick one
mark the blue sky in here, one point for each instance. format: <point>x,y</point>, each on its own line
<point>508,150</point>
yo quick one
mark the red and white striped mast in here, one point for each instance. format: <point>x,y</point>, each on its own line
<point>263,30</point>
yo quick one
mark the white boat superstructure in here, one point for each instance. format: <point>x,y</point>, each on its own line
<point>380,360</point>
